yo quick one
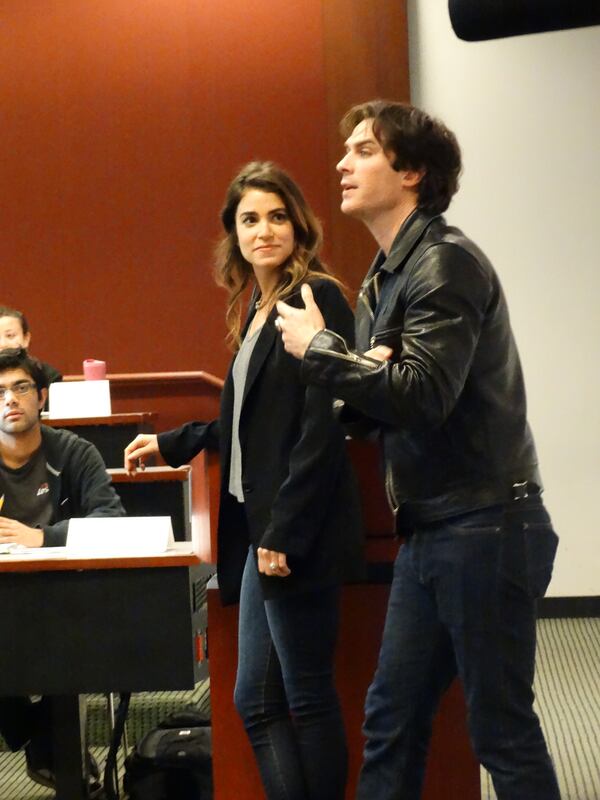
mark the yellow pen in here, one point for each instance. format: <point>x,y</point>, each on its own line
<point>1,502</point>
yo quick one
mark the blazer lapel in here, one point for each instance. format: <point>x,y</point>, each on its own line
<point>266,339</point>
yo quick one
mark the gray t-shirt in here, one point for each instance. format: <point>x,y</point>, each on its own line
<point>239,373</point>
<point>26,492</point>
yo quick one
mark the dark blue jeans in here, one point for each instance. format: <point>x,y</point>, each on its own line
<point>462,601</point>
<point>285,690</point>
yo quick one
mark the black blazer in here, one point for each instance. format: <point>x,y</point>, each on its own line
<point>300,496</point>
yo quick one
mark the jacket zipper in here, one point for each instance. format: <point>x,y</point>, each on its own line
<point>363,299</point>
<point>389,490</point>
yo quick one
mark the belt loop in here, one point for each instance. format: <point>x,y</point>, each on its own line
<point>520,490</point>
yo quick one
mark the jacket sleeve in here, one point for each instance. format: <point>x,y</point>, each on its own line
<point>447,295</point>
<point>91,490</point>
<point>304,497</point>
<point>180,445</point>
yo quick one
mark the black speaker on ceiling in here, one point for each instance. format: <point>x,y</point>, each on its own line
<point>476,20</point>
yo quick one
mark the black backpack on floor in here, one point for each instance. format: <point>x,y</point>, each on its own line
<point>172,761</point>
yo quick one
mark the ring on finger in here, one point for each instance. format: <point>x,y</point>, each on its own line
<point>278,323</point>
<point>272,566</point>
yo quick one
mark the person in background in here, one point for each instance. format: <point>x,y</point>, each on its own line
<point>437,372</point>
<point>47,476</point>
<point>289,525</point>
<point>14,332</point>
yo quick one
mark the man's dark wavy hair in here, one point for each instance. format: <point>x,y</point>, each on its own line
<point>415,141</point>
<point>18,358</point>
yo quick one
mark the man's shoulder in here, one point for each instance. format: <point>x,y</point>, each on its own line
<point>60,444</point>
<point>439,232</point>
<point>447,245</point>
<point>427,240</point>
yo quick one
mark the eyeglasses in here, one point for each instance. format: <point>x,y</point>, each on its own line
<point>18,389</point>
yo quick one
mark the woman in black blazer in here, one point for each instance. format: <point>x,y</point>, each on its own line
<point>289,522</point>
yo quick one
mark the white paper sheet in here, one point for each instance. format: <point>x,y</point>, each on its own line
<point>119,536</point>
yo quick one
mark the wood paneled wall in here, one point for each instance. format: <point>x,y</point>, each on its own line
<point>122,124</point>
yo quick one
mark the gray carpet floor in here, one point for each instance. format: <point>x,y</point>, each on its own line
<point>567,688</point>
<point>567,700</point>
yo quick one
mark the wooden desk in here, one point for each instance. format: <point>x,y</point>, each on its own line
<point>74,626</point>
<point>110,434</point>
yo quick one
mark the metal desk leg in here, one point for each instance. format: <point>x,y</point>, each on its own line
<point>110,703</point>
<point>69,750</point>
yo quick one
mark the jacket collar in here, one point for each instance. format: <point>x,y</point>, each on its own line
<point>410,234</point>
<point>262,348</point>
<point>266,339</point>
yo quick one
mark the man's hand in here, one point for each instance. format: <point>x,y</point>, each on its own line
<point>12,531</point>
<point>137,451</point>
<point>270,562</point>
<point>380,353</point>
<point>299,325</point>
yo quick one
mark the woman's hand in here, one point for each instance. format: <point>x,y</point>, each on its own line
<point>270,562</point>
<point>136,452</point>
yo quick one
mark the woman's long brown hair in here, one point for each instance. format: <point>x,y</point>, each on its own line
<point>235,274</point>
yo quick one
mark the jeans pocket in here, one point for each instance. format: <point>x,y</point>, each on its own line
<point>482,521</point>
<point>528,555</point>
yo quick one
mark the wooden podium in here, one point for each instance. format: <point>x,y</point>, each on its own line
<point>452,770</point>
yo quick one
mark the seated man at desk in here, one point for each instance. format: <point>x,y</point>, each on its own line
<point>14,332</point>
<point>47,476</point>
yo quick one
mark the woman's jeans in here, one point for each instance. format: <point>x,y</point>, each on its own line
<point>285,690</point>
<point>462,601</point>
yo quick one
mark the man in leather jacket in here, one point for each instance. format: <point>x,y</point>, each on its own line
<point>437,373</point>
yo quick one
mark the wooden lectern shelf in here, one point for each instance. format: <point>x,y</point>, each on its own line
<point>138,378</point>
<point>157,492</point>
<point>145,418</point>
<point>150,475</point>
<point>110,434</point>
<point>176,397</point>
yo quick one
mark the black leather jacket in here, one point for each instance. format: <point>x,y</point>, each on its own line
<point>450,405</point>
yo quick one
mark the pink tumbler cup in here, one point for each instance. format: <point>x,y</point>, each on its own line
<point>94,370</point>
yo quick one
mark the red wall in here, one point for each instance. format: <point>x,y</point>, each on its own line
<point>123,122</point>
